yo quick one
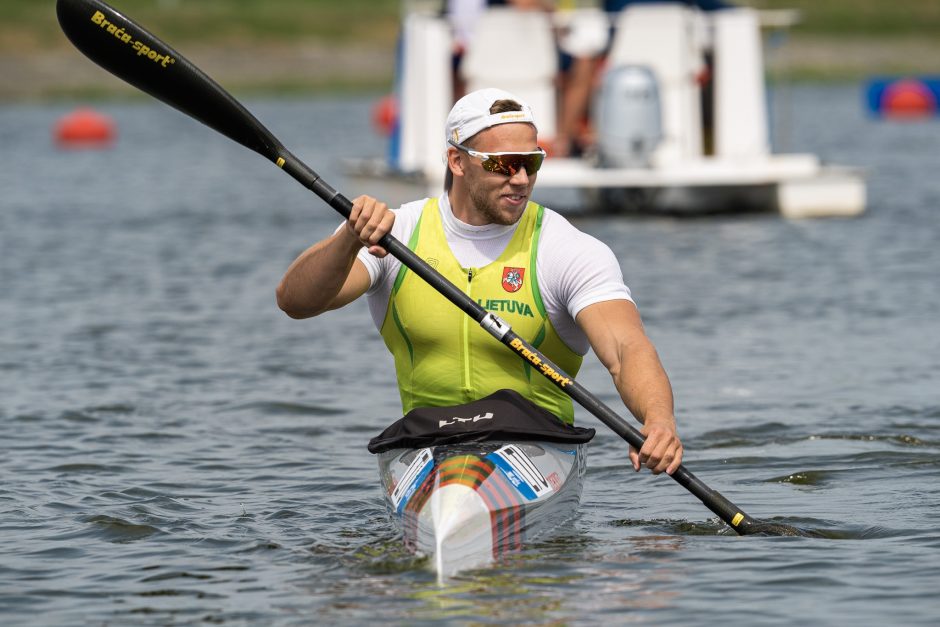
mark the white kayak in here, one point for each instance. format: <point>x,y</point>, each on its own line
<point>468,505</point>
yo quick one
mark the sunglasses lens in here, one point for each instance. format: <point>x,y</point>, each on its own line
<point>508,165</point>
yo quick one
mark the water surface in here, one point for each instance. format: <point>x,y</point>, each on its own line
<point>175,450</point>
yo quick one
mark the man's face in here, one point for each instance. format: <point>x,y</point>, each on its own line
<point>496,198</point>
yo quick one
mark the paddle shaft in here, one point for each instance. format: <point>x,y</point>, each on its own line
<point>133,54</point>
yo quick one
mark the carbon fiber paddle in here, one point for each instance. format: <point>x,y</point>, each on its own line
<point>133,54</point>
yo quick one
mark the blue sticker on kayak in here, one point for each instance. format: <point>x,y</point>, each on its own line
<point>417,470</point>
<point>520,471</point>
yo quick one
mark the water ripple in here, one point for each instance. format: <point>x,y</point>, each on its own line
<point>86,468</point>
<point>118,530</point>
<point>282,408</point>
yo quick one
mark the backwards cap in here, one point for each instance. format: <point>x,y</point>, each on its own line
<point>471,114</point>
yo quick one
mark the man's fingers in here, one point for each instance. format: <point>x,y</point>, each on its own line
<point>654,459</point>
<point>377,251</point>
<point>676,462</point>
<point>370,220</point>
<point>635,459</point>
<point>662,452</point>
<point>382,225</point>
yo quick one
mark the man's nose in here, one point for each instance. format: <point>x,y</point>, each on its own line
<point>521,177</point>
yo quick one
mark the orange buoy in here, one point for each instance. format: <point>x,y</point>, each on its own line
<point>385,115</point>
<point>84,128</point>
<point>908,99</point>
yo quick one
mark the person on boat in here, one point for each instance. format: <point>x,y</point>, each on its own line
<point>578,87</point>
<point>463,16</point>
<point>576,66</point>
<point>559,288</point>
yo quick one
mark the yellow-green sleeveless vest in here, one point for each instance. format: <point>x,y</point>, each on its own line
<point>443,357</point>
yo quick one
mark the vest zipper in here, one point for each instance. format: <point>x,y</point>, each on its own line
<point>466,343</point>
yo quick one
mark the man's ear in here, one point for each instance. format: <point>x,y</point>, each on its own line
<point>455,161</point>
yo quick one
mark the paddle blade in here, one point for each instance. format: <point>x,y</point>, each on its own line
<point>765,528</point>
<point>130,52</point>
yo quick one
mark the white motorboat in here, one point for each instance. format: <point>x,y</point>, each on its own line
<point>667,139</point>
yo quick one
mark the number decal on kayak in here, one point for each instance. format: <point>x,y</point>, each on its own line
<point>417,470</point>
<point>521,472</point>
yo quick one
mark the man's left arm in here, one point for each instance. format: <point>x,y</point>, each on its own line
<point>616,334</point>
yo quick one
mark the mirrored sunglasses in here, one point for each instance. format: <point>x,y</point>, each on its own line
<point>506,163</point>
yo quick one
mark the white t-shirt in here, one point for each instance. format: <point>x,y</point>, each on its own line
<point>574,269</point>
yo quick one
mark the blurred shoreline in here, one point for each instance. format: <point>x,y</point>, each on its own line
<point>270,69</point>
<point>309,67</point>
<point>852,58</point>
<point>303,47</point>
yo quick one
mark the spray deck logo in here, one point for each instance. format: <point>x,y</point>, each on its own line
<point>457,419</point>
<point>121,34</point>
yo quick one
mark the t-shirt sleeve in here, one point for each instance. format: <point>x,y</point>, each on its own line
<point>580,269</point>
<point>373,264</point>
<point>593,276</point>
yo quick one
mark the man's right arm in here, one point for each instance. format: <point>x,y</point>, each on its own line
<point>328,275</point>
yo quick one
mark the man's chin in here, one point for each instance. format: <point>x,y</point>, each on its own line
<point>502,211</point>
<point>511,210</point>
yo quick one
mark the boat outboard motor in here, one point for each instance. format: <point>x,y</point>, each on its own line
<point>627,117</point>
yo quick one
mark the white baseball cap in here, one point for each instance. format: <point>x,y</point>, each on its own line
<point>471,114</point>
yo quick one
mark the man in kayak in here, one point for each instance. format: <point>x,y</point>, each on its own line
<point>560,289</point>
